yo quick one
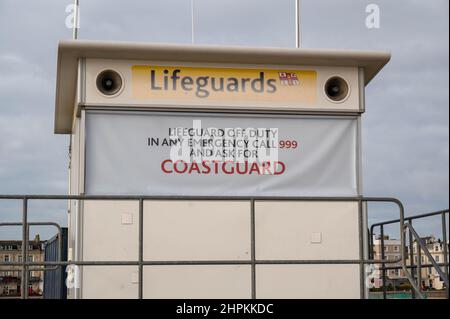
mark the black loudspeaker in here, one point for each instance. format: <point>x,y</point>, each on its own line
<point>109,82</point>
<point>336,89</point>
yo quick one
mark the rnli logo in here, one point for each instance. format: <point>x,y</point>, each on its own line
<point>288,78</point>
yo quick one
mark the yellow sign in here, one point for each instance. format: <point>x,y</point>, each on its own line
<point>224,85</point>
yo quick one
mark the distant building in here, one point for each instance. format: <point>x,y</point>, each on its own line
<point>430,277</point>
<point>10,276</point>
<point>392,251</point>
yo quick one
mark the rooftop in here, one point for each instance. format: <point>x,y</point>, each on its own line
<point>70,51</point>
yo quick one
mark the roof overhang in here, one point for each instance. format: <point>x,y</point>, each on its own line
<point>70,51</point>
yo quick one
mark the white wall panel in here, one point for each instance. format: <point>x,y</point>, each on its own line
<point>204,282</point>
<point>307,281</point>
<point>110,282</point>
<point>196,230</point>
<point>306,230</point>
<point>105,236</point>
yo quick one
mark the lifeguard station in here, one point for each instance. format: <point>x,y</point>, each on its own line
<point>294,226</point>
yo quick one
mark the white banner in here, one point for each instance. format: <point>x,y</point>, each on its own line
<point>219,155</point>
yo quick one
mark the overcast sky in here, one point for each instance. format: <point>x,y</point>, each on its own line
<point>405,128</point>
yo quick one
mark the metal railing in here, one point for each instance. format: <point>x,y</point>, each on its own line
<point>416,270</point>
<point>26,265</point>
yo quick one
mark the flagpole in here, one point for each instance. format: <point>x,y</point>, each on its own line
<point>75,20</point>
<point>192,22</point>
<point>297,24</point>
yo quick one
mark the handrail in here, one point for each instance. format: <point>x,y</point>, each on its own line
<point>427,252</point>
<point>393,221</point>
<point>252,261</point>
<point>416,268</point>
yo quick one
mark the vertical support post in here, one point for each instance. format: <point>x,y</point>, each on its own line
<point>24,294</point>
<point>253,246</point>
<point>383,265</point>
<point>141,247</point>
<point>419,267</point>
<point>60,247</point>
<point>361,250</point>
<point>411,258</point>
<point>297,24</point>
<point>78,247</point>
<point>444,239</point>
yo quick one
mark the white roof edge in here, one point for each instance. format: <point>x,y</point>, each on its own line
<point>70,51</point>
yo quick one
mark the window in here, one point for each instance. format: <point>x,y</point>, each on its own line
<point>436,248</point>
<point>415,259</point>
<point>436,258</point>
<point>386,248</point>
<point>396,248</point>
<point>19,258</point>
<point>7,258</point>
<point>30,258</point>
